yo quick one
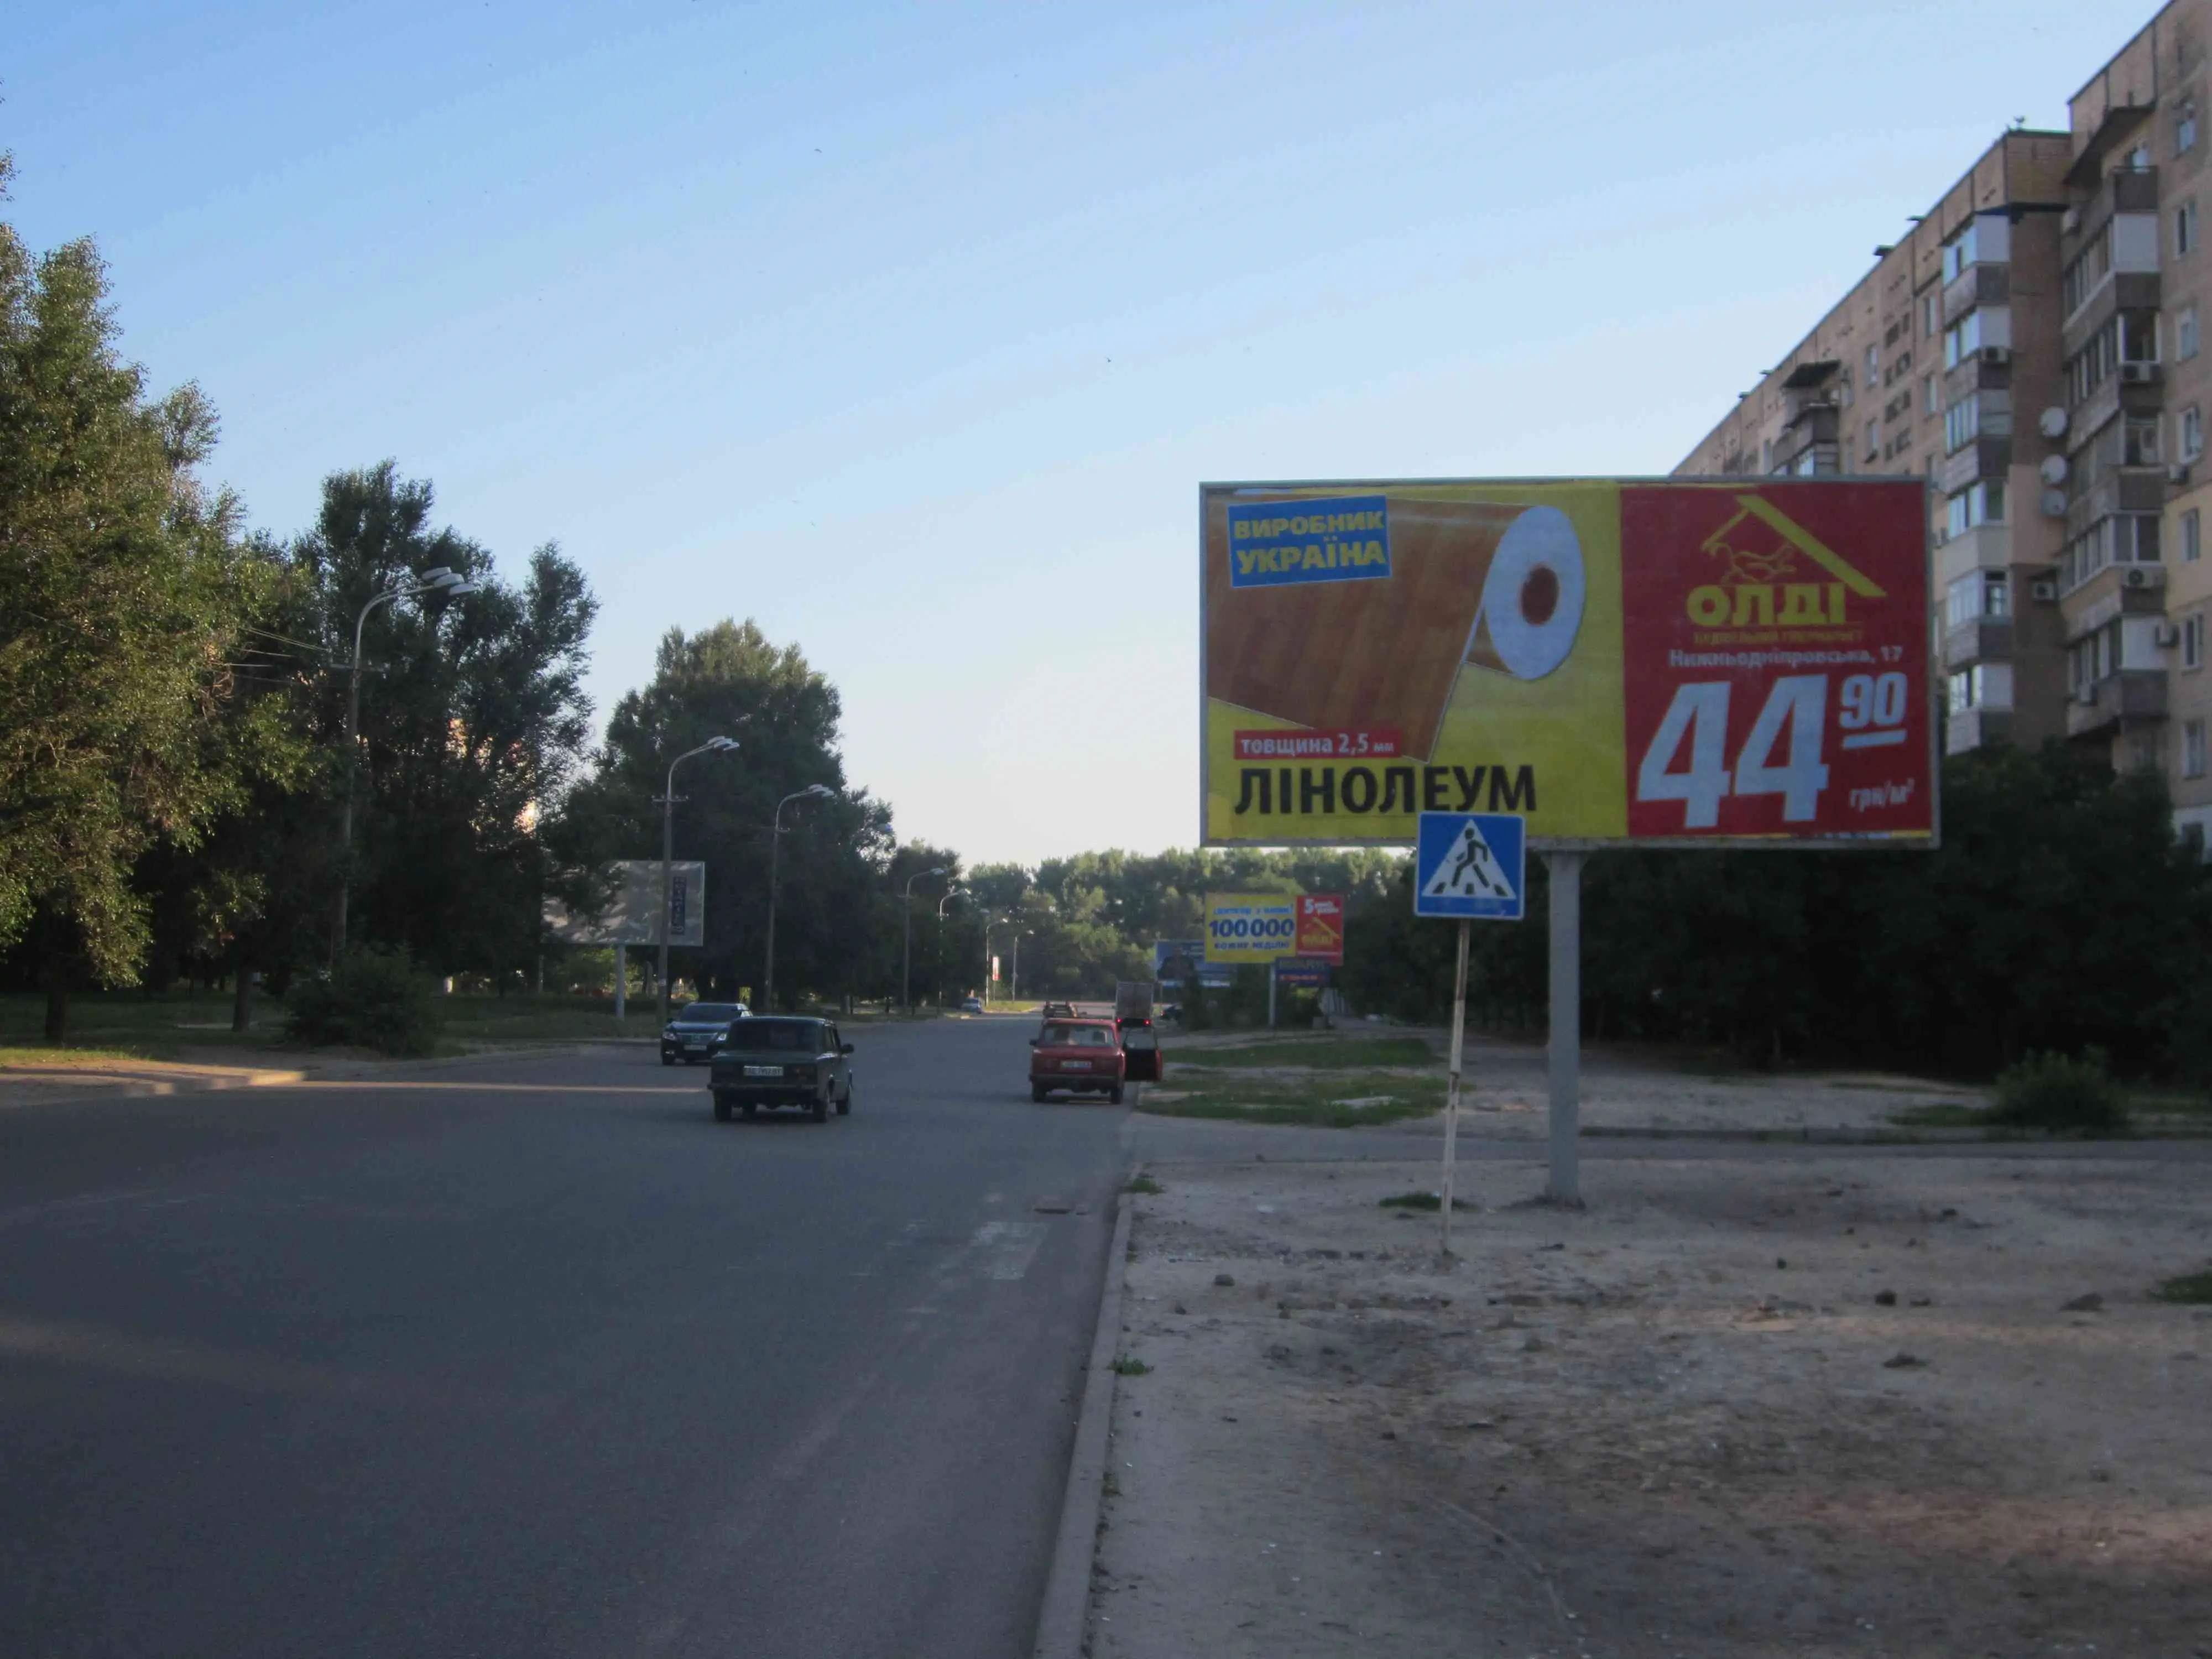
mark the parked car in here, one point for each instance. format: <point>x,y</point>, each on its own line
<point>973,1005</point>
<point>777,1060</point>
<point>1083,1056</point>
<point>696,1031</point>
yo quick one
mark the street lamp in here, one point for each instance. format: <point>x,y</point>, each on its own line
<point>951,893</point>
<point>1014,986</point>
<point>438,579</point>
<point>711,746</point>
<point>775,848</point>
<point>906,962</point>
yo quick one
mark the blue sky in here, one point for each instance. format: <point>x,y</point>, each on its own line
<point>909,330</point>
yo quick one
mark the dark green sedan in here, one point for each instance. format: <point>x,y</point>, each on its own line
<point>775,1061</point>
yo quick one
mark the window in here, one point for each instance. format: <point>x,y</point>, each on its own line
<point>1873,439</point>
<point>2192,749</point>
<point>1931,317</point>
<point>1979,593</point>
<point>2184,129</point>
<point>1874,367</point>
<point>1959,252</point>
<point>2192,639</point>
<point>2139,443</point>
<point>1928,403</point>
<point>2192,433</point>
<point>1982,504</point>
<point>1968,420</point>
<point>2192,537</point>
<point>2186,343</point>
<point>2184,227</point>
<point>1962,339</point>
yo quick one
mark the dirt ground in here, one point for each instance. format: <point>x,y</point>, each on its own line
<point>1623,1090</point>
<point>1834,1404</point>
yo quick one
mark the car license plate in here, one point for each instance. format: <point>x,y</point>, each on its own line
<point>695,1042</point>
<point>763,1071</point>
<point>1074,1065</point>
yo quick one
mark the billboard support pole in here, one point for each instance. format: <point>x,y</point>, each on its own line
<point>1273,971</point>
<point>1565,1185</point>
<point>1451,1089</point>
<point>622,980</point>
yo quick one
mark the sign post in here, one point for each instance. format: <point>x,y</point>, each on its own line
<point>1663,662</point>
<point>1471,865</point>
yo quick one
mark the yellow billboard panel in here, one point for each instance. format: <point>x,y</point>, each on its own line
<point>1250,927</point>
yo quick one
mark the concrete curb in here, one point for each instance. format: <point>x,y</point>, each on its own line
<point>1067,1588</point>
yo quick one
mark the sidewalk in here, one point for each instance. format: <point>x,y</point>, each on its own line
<point>1827,1406</point>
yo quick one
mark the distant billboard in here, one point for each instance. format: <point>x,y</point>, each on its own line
<point>1175,960</point>
<point>1671,662</point>
<point>1320,935</point>
<point>1250,927</point>
<point>631,917</point>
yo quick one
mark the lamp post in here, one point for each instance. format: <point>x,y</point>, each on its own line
<point>711,746</point>
<point>438,579</point>
<point>906,961</point>
<point>951,893</point>
<point>775,849</point>
<point>1014,986</point>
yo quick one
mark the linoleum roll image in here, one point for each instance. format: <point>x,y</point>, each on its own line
<point>1496,585</point>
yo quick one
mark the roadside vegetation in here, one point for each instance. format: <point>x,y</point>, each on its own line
<point>1311,1054</point>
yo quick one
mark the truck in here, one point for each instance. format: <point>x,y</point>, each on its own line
<point>1132,1017</point>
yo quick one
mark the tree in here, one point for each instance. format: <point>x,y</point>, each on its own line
<point>832,918</point>
<point>473,723</point>
<point>124,591</point>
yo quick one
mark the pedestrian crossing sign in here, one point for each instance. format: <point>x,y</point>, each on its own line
<point>1471,864</point>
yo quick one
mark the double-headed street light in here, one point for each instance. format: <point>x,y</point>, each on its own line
<point>438,579</point>
<point>711,746</point>
<point>775,848</point>
<point>951,893</point>
<point>906,966</point>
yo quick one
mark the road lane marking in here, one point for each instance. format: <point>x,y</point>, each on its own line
<point>1008,1247</point>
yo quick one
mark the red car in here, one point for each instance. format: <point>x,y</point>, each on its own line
<point>1083,1056</point>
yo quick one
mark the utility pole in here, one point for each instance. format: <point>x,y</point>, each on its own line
<point>714,747</point>
<point>906,965</point>
<point>775,849</point>
<point>440,579</point>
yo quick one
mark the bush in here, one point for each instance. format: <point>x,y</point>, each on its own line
<point>2057,1091</point>
<point>376,1000</point>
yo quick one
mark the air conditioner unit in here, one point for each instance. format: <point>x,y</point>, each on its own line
<point>2138,374</point>
<point>2071,221</point>
<point>2143,575</point>
<point>2044,589</point>
<point>1997,356</point>
<point>2167,636</point>
<point>2177,473</point>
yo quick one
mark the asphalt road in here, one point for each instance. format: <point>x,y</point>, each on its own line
<point>537,1359</point>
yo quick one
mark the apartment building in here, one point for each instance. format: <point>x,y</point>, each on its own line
<point>2033,346</point>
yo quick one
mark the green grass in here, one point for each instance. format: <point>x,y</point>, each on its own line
<point>1944,1115</point>
<point>2194,1289</point>
<point>2140,1104</point>
<point>1144,1187</point>
<point>1308,1101</point>
<point>1130,1366</point>
<point>1326,1053</point>
<point>1421,1201</point>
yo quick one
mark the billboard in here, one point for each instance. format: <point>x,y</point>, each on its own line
<point>1299,974</point>
<point>1667,662</point>
<point>1321,928</point>
<point>629,917</point>
<point>1250,927</point>
<point>1175,960</point>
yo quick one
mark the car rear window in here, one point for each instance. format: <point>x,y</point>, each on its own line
<point>702,1013</point>
<point>1076,1037</point>
<point>802,1037</point>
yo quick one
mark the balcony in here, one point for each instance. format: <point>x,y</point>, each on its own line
<point>2130,190</point>
<point>2115,396</point>
<point>2130,697</point>
<point>1977,285</point>
<point>2121,290</point>
<point>1976,728</point>
<point>1985,457</point>
<point>1986,639</point>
